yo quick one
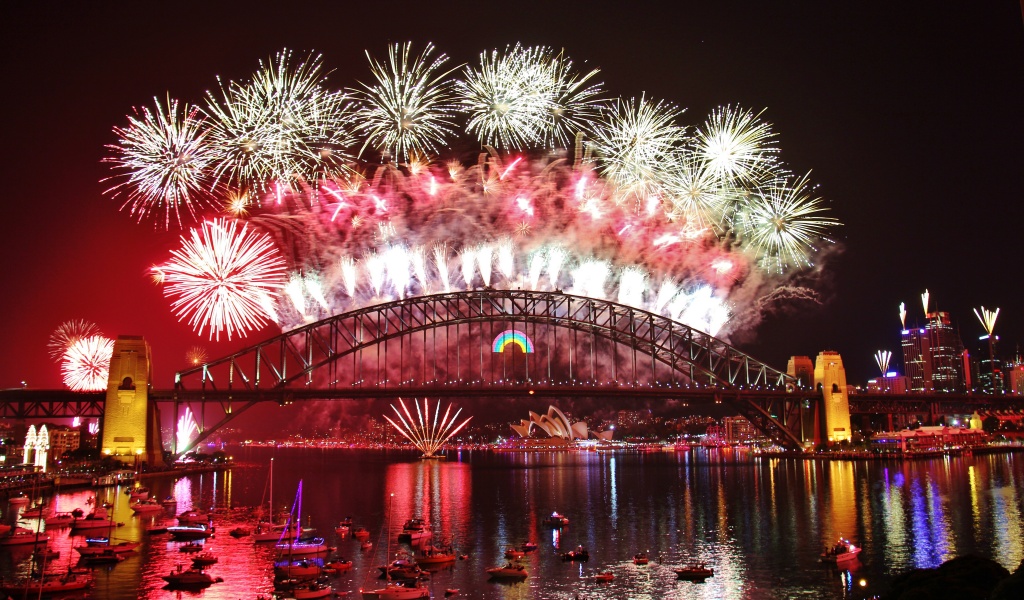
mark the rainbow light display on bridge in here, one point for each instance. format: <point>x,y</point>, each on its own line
<point>511,336</point>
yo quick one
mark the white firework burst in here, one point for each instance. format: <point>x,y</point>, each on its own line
<point>86,365</point>
<point>736,144</point>
<point>67,334</point>
<point>634,142</point>
<point>164,163</point>
<point>783,225</point>
<point>410,107</point>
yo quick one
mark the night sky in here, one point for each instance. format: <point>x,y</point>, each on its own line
<point>910,119</point>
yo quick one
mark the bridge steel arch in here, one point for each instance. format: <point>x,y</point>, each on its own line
<point>307,361</point>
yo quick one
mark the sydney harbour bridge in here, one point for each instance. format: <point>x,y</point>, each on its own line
<point>486,344</point>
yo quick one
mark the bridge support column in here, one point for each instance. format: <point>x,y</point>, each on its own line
<point>131,423</point>
<point>830,379</point>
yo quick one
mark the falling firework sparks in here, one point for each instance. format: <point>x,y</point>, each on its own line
<point>86,365</point>
<point>220,276</point>
<point>67,334</point>
<point>428,433</point>
<point>882,358</point>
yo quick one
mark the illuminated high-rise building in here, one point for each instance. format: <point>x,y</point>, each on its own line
<point>934,357</point>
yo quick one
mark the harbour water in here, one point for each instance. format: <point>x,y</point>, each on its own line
<point>760,523</point>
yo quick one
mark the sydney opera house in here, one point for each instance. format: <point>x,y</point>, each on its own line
<point>556,425</point>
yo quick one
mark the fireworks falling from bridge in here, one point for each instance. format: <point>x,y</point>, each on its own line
<point>427,433</point>
<point>610,198</point>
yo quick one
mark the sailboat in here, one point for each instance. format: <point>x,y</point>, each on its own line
<point>393,590</point>
<point>295,545</point>
<point>268,531</point>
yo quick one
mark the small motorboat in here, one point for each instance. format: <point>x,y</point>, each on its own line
<point>640,558</point>
<point>147,506</point>
<point>578,555</point>
<point>529,546</point>
<point>101,545</point>
<point>310,590</point>
<point>105,557</point>
<point>193,517</point>
<point>191,578</point>
<point>45,554</point>
<point>337,566</point>
<point>238,532</point>
<point>604,577</point>
<point>509,571</point>
<point>189,532</point>
<point>556,520</point>
<point>361,533</point>
<point>514,553</point>
<point>451,592</point>
<point>59,520</point>
<point>842,552</point>
<point>365,545</point>
<point>696,572</point>
<point>204,559</point>
<point>191,547</point>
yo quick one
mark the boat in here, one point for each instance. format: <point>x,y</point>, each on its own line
<point>297,546</point>
<point>190,578</point>
<point>105,557</point>
<point>46,586</point>
<point>147,506</point>
<point>509,571</point>
<point>45,554</point>
<point>204,559</point>
<point>238,532</point>
<point>640,558</point>
<point>189,532</point>
<point>580,554</point>
<point>139,493</point>
<point>193,517</point>
<point>556,520</point>
<point>20,537</point>
<point>34,512</point>
<point>842,552</point>
<point>365,545</point>
<point>529,546</point>
<point>310,590</point>
<point>451,592</point>
<point>337,565</point>
<point>191,547</point>
<point>97,519</point>
<point>156,529</point>
<point>343,527</point>
<point>99,545</point>
<point>432,555</point>
<point>62,519</point>
<point>403,567</point>
<point>695,572</point>
<point>296,569</point>
<point>604,577</point>
<point>514,553</point>
<point>169,502</point>
<point>414,530</point>
<point>361,533</point>
<point>395,590</point>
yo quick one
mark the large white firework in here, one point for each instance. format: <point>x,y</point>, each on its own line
<point>67,334</point>
<point>635,142</point>
<point>86,364</point>
<point>222,276</point>
<point>428,433</point>
<point>736,144</point>
<point>784,225</point>
<point>409,109</point>
<point>506,107</point>
<point>163,163</point>
<point>284,126</point>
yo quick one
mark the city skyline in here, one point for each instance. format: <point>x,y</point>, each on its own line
<point>955,68</point>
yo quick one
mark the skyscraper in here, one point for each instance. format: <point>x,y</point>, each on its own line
<point>934,356</point>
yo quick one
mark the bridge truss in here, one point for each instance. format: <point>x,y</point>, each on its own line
<point>441,345</point>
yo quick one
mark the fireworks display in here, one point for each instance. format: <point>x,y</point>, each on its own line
<point>223,278</point>
<point>186,428</point>
<point>987,319</point>
<point>86,364</point>
<point>882,358</point>
<point>67,334</point>
<point>196,355</point>
<point>428,433</point>
<point>573,191</point>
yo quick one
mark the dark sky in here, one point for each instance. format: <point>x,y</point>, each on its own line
<point>909,116</point>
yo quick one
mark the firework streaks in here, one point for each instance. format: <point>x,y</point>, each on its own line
<point>410,108</point>
<point>882,358</point>
<point>220,276</point>
<point>428,433</point>
<point>163,162</point>
<point>186,428</point>
<point>86,364</point>
<point>987,319</point>
<point>692,227</point>
<point>196,356</point>
<point>67,334</point>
